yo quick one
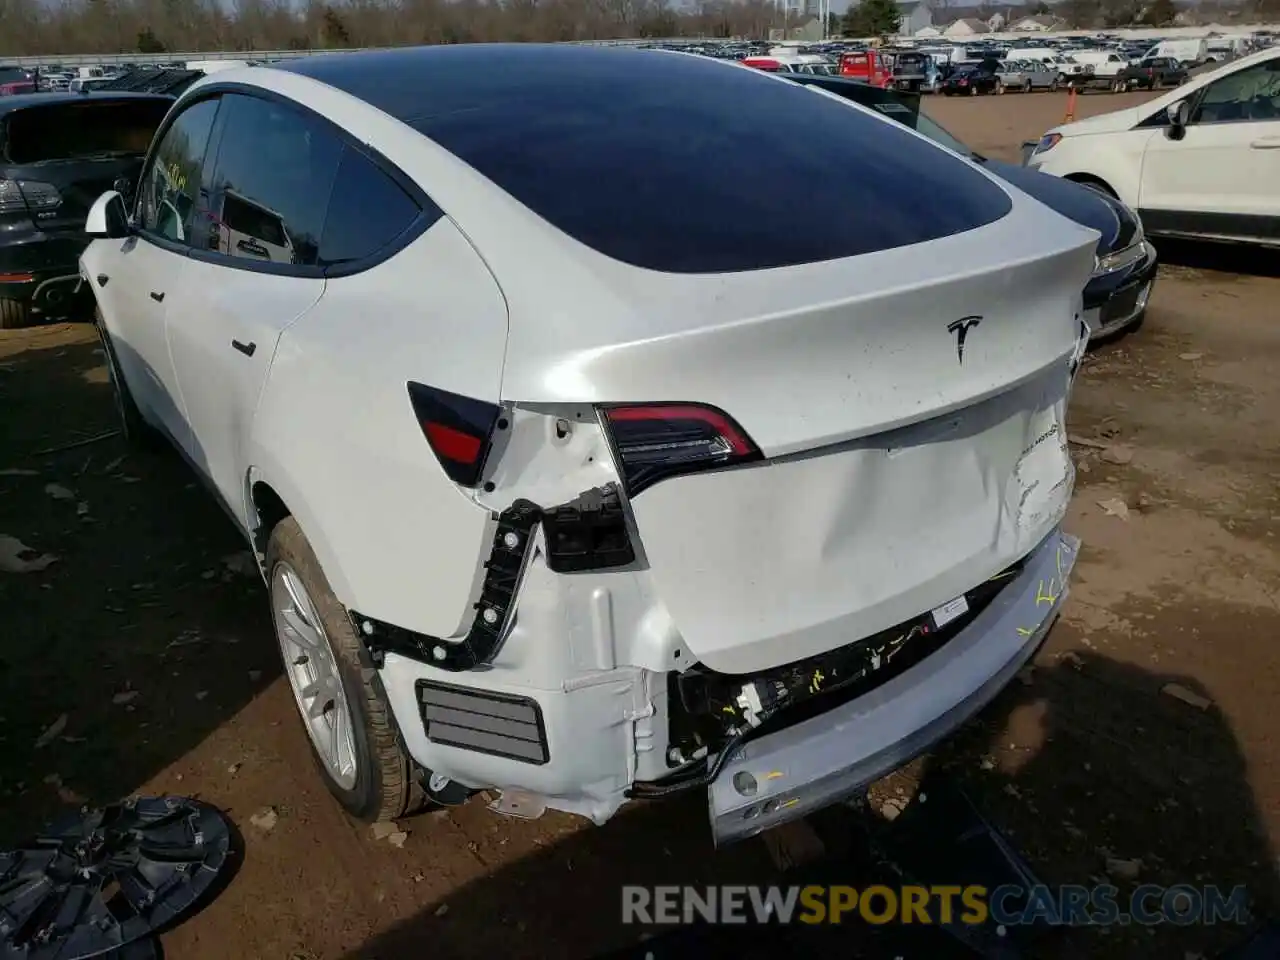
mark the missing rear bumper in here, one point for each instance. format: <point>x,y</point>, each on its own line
<point>808,766</point>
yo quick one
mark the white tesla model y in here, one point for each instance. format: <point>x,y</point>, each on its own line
<point>607,423</point>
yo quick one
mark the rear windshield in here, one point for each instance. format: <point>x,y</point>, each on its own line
<point>684,165</point>
<point>81,130</point>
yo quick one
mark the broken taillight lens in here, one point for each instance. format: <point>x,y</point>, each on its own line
<point>458,429</point>
<point>656,441</point>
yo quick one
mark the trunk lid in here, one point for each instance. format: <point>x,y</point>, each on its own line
<point>910,405</point>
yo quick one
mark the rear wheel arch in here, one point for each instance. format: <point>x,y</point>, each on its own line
<point>269,509</point>
<point>1089,180</point>
<point>270,499</point>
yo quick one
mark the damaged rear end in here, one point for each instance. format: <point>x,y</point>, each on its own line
<point>769,516</point>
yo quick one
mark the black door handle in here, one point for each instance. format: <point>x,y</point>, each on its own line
<point>157,297</point>
<point>102,279</point>
<point>245,348</point>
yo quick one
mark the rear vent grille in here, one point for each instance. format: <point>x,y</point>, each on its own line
<point>483,721</point>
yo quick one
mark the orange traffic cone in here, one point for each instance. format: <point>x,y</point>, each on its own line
<point>1071,105</point>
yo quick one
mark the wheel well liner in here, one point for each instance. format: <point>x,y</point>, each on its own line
<point>1089,179</point>
<point>270,510</point>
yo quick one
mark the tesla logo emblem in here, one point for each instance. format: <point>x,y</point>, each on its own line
<point>961,329</point>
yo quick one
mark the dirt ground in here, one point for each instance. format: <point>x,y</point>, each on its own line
<point>148,651</point>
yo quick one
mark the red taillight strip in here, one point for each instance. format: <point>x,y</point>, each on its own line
<point>452,444</point>
<point>738,443</point>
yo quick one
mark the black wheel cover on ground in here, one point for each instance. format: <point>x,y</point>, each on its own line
<point>101,881</point>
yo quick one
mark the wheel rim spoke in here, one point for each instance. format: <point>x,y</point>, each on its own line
<point>311,666</point>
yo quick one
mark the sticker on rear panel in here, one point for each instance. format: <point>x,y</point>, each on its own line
<point>949,611</point>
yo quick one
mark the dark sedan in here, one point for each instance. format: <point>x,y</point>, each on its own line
<point>971,81</point>
<point>1116,296</point>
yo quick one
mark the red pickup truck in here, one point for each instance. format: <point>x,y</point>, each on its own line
<point>14,80</point>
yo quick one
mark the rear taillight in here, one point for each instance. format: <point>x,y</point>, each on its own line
<point>656,441</point>
<point>23,196</point>
<point>458,428</point>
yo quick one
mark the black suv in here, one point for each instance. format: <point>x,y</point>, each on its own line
<point>58,153</point>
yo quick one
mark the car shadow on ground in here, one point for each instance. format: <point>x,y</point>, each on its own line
<point>147,633</point>
<point>1081,798</point>
<point>1222,257</point>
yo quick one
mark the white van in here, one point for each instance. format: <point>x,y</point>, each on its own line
<point>1106,64</point>
<point>1202,161</point>
<point>1184,51</point>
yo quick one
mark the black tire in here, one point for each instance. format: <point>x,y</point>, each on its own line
<point>1027,87</point>
<point>15,314</point>
<point>133,427</point>
<point>1053,87</point>
<point>385,787</point>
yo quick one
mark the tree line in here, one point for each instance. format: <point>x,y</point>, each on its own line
<point>50,27</point>
<point>39,27</point>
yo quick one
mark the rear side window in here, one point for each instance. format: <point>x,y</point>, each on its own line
<point>367,212</point>
<point>81,131</point>
<point>271,178</point>
<point>172,182</point>
<point>671,164</point>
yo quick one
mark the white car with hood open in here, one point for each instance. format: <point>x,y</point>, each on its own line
<point>618,422</point>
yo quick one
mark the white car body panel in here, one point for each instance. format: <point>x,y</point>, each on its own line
<point>135,269</point>
<point>900,471</point>
<point>342,363</point>
<point>1231,168</point>
<point>207,308</point>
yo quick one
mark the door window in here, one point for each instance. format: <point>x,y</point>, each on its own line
<point>272,176</point>
<point>1251,94</point>
<point>367,212</point>
<point>172,183</point>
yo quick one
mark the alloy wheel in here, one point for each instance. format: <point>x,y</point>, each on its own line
<point>312,669</point>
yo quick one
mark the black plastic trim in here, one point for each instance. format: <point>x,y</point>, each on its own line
<point>493,695</point>
<point>502,577</point>
<point>503,570</point>
<point>1243,227</point>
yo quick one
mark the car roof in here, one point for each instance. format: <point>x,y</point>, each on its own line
<point>21,101</point>
<point>416,83</point>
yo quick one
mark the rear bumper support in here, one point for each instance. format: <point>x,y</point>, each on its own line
<point>821,761</point>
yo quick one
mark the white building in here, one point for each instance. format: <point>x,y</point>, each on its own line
<point>967,27</point>
<point>916,15</point>
<point>1037,24</point>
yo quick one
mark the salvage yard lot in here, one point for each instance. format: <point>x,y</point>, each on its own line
<point>1142,741</point>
